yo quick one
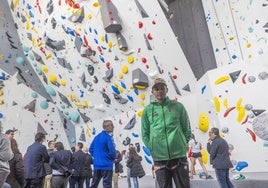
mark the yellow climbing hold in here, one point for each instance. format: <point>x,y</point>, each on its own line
<point>53,78</point>
<point>1,101</point>
<point>139,113</point>
<point>1,92</point>
<point>225,103</point>
<point>217,104</point>
<point>102,38</point>
<point>95,4</point>
<point>204,156</point>
<point>221,79</point>
<point>241,114</point>
<point>110,44</point>
<point>203,124</point>
<point>124,69</point>
<point>130,59</point>
<point>142,96</point>
<point>89,16</point>
<point>120,89</point>
<point>120,75</point>
<point>238,104</point>
<point>44,68</point>
<point>27,25</point>
<point>63,82</point>
<point>15,3</point>
<point>48,56</point>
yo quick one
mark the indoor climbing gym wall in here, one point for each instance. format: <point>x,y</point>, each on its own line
<point>233,96</point>
<point>68,65</point>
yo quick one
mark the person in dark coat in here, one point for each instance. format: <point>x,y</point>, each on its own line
<point>34,159</point>
<point>60,161</point>
<point>78,166</point>
<point>51,146</point>
<point>16,177</point>
<point>136,169</point>
<point>219,158</point>
<point>87,168</point>
<point>118,168</point>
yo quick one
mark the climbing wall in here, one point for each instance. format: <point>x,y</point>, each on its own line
<point>232,97</point>
<point>68,65</point>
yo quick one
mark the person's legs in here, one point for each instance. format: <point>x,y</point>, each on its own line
<point>128,178</point>
<point>97,175</point>
<point>180,173</point>
<point>115,178</point>
<point>202,165</point>
<point>192,159</point>
<point>107,178</point>
<point>163,175</point>
<point>221,177</point>
<point>80,182</point>
<point>135,182</point>
<point>72,181</point>
<point>88,182</point>
<point>47,181</point>
<point>37,183</point>
<point>229,183</point>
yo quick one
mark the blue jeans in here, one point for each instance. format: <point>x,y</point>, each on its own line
<point>223,178</point>
<point>128,177</point>
<point>135,182</point>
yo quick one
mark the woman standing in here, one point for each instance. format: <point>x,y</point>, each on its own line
<point>136,169</point>
<point>195,148</point>
<point>16,177</point>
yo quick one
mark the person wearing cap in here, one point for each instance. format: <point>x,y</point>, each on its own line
<point>166,131</point>
<point>219,157</point>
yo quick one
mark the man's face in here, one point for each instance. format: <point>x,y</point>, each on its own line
<point>110,128</point>
<point>11,135</point>
<point>160,91</point>
<point>52,145</point>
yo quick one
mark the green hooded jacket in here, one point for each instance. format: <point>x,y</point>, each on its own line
<point>166,130</point>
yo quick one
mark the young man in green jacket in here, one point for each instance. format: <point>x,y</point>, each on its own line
<point>166,131</point>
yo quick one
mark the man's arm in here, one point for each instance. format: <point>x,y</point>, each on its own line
<point>6,153</point>
<point>145,128</point>
<point>185,122</point>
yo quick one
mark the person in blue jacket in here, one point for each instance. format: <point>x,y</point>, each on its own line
<point>219,158</point>
<point>34,159</point>
<point>103,152</point>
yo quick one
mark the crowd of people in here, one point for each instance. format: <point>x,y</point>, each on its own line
<point>166,132</point>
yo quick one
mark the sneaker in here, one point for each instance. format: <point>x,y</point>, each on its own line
<point>239,177</point>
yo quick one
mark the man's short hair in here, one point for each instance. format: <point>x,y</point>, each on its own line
<point>39,137</point>
<point>59,146</point>
<point>80,145</point>
<point>215,131</point>
<point>106,123</point>
<point>9,131</point>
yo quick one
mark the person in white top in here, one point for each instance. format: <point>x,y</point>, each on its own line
<point>195,148</point>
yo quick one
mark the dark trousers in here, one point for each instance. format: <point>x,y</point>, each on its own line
<point>176,169</point>
<point>107,176</point>
<point>223,178</point>
<point>76,180</point>
<point>58,181</point>
<point>34,183</point>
